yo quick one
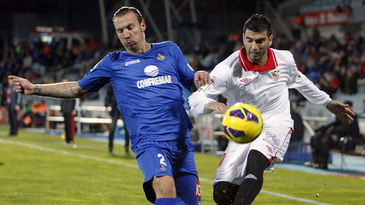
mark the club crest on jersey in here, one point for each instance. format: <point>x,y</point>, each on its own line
<point>151,70</point>
<point>161,57</point>
<point>275,75</point>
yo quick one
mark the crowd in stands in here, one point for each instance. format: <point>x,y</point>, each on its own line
<point>45,62</point>
<point>41,61</point>
<point>33,114</point>
<point>335,65</point>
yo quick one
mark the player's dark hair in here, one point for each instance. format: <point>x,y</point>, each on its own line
<point>126,9</point>
<point>258,23</point>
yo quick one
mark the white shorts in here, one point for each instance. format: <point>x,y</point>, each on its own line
<point>272,142</point>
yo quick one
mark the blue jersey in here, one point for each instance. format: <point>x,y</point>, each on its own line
<point>148,90</point>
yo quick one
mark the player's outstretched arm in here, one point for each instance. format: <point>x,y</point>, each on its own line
<point>57,90</point>
<point>342,111</point>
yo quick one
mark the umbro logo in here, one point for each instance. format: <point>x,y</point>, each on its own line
<point>132,62</point>
<point>245,80</point>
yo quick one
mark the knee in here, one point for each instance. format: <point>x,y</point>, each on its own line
<point>224,193</point>
<point>164,187</point>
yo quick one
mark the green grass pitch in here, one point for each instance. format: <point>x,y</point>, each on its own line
<point>40,169</point>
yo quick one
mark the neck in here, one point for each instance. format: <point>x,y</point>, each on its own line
<point>260,62</point>
<point>144,48</point>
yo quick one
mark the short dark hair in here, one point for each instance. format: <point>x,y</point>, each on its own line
<point>258,23</point>
<point>126,9</point>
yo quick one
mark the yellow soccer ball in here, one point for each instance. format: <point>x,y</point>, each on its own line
<point>242,123</point>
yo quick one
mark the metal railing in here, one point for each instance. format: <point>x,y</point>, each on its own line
<point>79,119</point>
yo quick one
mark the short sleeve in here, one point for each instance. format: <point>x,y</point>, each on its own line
<point>306,87</point>
<point>185,71</point>
<point>98,76</point>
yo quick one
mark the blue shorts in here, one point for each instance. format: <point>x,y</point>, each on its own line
<point>166,158</point>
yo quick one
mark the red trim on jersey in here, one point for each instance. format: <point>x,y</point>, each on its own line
<point>197,193</point>
<point>291,130</point>
<point>222,159</point>
<point>248,66</point>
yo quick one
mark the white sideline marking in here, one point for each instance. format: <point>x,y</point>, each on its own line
<point>67,153</point>
<point>294,198</point>
<point>135,166</point>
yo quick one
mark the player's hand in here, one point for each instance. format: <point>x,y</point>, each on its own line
<point>217,106</point>
<point>201,78</point>
<point>22,85</point>
<point>342,111</point>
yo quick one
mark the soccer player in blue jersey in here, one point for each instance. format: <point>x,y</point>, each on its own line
<point>147,80</point>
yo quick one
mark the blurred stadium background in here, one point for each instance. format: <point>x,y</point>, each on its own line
<point>46,41</point>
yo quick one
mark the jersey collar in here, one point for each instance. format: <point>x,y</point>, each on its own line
<point>248,66</point>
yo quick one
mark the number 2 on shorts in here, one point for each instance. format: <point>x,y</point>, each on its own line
<point>162,160</point>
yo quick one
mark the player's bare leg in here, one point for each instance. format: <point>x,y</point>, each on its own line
<point>164,188</point>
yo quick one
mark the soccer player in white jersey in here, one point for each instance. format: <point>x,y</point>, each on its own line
<point>260,76</point>
<point>147,81</point>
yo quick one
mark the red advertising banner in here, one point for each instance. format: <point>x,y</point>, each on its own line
<point>327,17</point>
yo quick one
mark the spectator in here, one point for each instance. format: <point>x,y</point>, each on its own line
<point>13,102</point>
<point>39,112</point>
<point>346,136</point>
<point>296,140</point>
<point>336,135</point>
<point>68,111</point>
<point>115,115</point>
<point>26,120</point>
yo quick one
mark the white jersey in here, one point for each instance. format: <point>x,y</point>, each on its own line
<point>268,90</point>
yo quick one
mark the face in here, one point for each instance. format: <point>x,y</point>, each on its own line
<point>130,32</point>
<point>256,45</point>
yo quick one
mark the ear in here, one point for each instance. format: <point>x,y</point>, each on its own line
<point>270,39</point>
<point>143,25</point>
